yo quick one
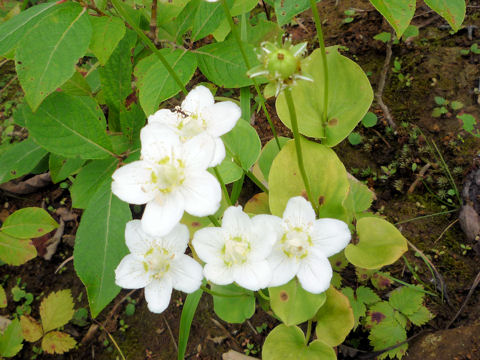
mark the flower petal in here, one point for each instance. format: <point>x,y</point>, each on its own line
<point>198,151</point>
<point>138,242</point>
<point>218,273</point>
<point>186,274</point>
<point>202,193</point>
<point>197,99</point>
<point>130,273</point>
<point>253,276</point>
<point>157,141</point>
<point>218,154</point>
<point>330,236</point>
<point>165,117</point>
<point>221,117</point>
<point>283,268</point>
<point>315,273</point>
<point>159,218</point>
<point>129,183</point>
<point>176,240</point>
<point>235,221</point>
<point>208,243</point>
<point>267,230</point>
<point>158,294</point>
<point>299,212</point>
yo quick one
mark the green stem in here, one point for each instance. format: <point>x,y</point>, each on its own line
<point>298,146</point>
<point>214,220</point>
<point>321,42</point>
<point>407,284</point>
<point>426,216</point>
<point>247,63</point>
<point>309,331</point>
<point>222,184</point>
<point>256,181</point>
<point>214,293</point>
<point>262,295</point>
<point>149,44</point>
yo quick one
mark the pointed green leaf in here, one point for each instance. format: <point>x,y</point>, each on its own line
<point>70,126</point>
<point>451,10</point>
<point>30,222</point>
<point>326,174</point>
<point>56,310</point>
<point>57,342</point>
<point>398,13</point>
<point>14,251</point>
<point>207,18</point>
<point>11,340</point>
<point>380,244</point>
<point>288,343</point>
<point>47,55</point>
<point>286,10</point>
<point>294,305</point>
<point>100,245</point>
<point>61,168</point>
<point>106,34</point>
<point>77,85</point>
<point>188,311</point>
<point>350,97</point>
<point>20,159</point>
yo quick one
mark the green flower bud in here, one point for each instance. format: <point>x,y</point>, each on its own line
<point>282,64</point>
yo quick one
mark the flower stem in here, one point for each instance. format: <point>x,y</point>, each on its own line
<point>321,42</point>
<point>149,44</point>
<point>214,293</point>
<point>247,63</point>
<point>262,295</point>
<point>214,220</point>
<point>309,331</point>
<point>222,184</point>
<point>298,146</point>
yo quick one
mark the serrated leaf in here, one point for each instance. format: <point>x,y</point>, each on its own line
<point>11,339</point>
<point>31,329</point>
<point>90,179</point>
<point>406,299</point>
<point>233,309</point>
<point>367,295</point>
<point>334,319</point>
<point>380,313</point>
<point>398,13</point>
<point>61,167</point>
<point>29,223</point>
<point>358,307</point>
<point>46,56</point>
<point>56,310</point>
<point>106,34</point>
<point>20,159</point>
<point>57,342</point>
<point>3,298</point>
<point>451,10</point>
<point>389,334</point>
<point>456,105</point>
<point>421,317</point>
<point>14,251</point>
<point>70,126</point>
<point>100,245</point>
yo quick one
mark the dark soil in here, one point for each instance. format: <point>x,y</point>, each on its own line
<point>436,67</point>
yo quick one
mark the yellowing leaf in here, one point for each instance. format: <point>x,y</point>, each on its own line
<point>31,329</point>
<point>57,342</point>
<point>3,297</point>
<point>56,310</point>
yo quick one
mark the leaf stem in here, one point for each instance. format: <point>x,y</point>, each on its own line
<point>222,184</point>
<point>321,42</point>
<point>126,17</point>
<point>214,293</point>
<point>214,220</point>
<point>262,295</point>
<point>298,146</point>
<point>309,331</point>
<point>247,63</point>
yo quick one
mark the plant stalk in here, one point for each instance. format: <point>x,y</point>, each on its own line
<point>222,184</point>
<point>214,220</point>
<point>309,331</point>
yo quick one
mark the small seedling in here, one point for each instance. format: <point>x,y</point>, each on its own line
<point>350,16</point>
<point>474,49</point>
<point>443,104</point>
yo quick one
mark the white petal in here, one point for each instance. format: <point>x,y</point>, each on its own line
<point>138,242</point>
<point>218,273</point>
<point>202,193</point>
<point>253,276</point>
<point>157,141</point>
<point>218,154</point>
<point>165,117</point>
<point>268,229</point>
<point>176,240</point>
<point>129,183</point>
<point>221,117</point>
<point>158,293</point>
<point>315,274</point>
<point>283,268</point>
<point>235,221</point>
<point>159,218</point>
<point>130,273</point>
<point>208,243</point>
<point>330,236</point>
<point>198,151</point>
<point>299,212</point>
<point>197,99</point>
<point>186,274</point>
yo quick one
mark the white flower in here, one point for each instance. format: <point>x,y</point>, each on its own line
<point>237,251</point>
<point>171,178</point>
<point>158,264</point>
<point>198,114</point>
<point>304,245</point>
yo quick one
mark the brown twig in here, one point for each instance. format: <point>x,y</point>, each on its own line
<point>419,178</point>
<point>63,264</point>
<point>235,344</point>
<point>465,302</point>
<point>153,23</point>
<point>381,137</point>
<point>446,229</point>
<point>381,84</point>
<point>171,333</point>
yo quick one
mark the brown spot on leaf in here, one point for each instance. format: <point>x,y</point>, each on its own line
<point>195,224</point>
<point>40,229</point>
<point>377,317</point>
<point>304,195</point>
<point>333,122</point>
<point>321,200</point>
<point>283,295</point>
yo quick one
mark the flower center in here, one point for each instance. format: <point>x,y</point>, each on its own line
<point>157,261</point>
<point>296,242</point>
<point>168,174</point>
<point>191,125</point>
<point>235,250</point>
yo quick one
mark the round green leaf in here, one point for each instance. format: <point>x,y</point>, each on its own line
<point>380,244</point>
<point>288,343</point>
<point>29,223</point>
<point>243,143</point>
<point>326,174</point>
<point>350,97</point>
<point>269,151</point>
<point>335,318</point>
<point>237,307</point>
<point>258,204</point>
<point>294,305</point>
<point>355,138</point>
<point>359,197</point>
<point>369,120</point>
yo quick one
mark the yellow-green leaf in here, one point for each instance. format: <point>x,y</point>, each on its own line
<point>31,329</point>
<point>3,297</point>
<point>56,310</point>
<point>57,342</point>
<point>15,251</point>
<point>29,223</point>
